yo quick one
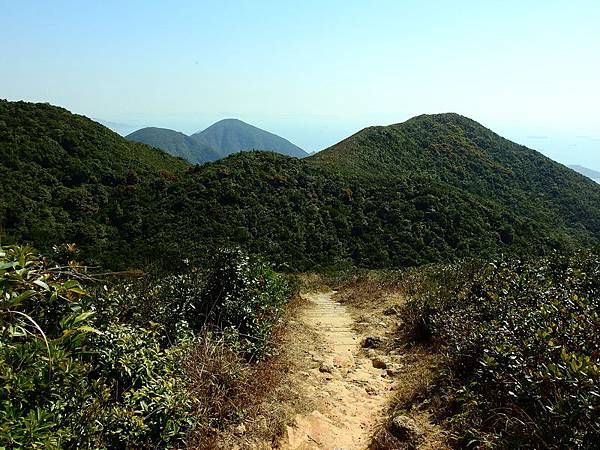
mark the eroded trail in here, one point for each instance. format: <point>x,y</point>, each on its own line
<point>347,392</point>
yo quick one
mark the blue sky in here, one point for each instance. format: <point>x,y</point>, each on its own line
<point>315,71</point>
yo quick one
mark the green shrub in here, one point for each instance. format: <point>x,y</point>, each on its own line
<point>244,299</point>
<point>88,365</point>
<point>523,349</point>
<point>44,325</point>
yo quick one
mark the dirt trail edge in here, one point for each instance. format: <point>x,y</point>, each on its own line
<point>348,391</point>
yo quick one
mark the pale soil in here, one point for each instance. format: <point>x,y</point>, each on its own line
<point>350,401</point>
<point>330,395</point>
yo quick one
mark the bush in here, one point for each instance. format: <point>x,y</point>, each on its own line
<point>93,365</point>
<point>523,349</point>
<point>244,299</point>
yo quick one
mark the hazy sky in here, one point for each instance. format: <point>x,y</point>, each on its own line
<point>315,71</point>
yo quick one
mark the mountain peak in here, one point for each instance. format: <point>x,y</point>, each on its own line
<point>221,139</point>
<point>233,135</point>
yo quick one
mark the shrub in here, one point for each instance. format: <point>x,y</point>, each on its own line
<point>132,365</point>
<point>44,325</point>
<point>523,349</point>
<point>244,299</point>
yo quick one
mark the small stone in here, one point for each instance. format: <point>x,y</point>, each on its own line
<point>326,367</point>
<point>379,363</point>
<point>372,342</point>
<point>405,429</point>
<point>240,429</point>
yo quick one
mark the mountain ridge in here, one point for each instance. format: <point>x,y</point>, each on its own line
<point>219,140</point>
<point>432,189</point>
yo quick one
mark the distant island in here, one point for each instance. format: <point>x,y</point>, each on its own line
<point>590,173</point>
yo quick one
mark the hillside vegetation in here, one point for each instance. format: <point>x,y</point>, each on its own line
<point>521,349</point>
<point>88,359</point>
<point>449,149</point>
<point>433,189</point>
<point>64,177</point>
<point>159,362</point>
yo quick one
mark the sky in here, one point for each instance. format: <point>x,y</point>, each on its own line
<point>315,71</point>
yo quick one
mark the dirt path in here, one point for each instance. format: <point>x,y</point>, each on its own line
<point>347,393</point>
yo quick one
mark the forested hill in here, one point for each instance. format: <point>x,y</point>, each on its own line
<point>449,149</point>
<point>435,188</point>
<point>62,174</point>
<point>221,139</point>
<point>232,135</point>
<point>176,143</point>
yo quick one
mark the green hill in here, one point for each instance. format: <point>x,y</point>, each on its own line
<point>217,141</point>
<point>63,175</point>
<point>434,188</point>
<point>452,150</point>
<point>232,136</point>
<point>175,143</point>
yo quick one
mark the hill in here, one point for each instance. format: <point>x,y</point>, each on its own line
<point>232,135</point>
<point>217,141</point>
<point>175,143</point>
<point>590,173</point>
<point>452,150</point>
<point>63,175</point>
<point>435,188</point>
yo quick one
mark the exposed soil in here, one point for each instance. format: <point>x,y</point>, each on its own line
<point>343,376</point>
<point>348,393</point>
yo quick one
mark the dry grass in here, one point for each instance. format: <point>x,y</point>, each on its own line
<point>260,405</point>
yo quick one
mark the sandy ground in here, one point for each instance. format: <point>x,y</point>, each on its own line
<point>348,393</point>
<point>333,393</point>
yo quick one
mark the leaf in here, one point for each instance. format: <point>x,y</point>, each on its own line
<point>70,284</point>
<point>42,284</point>
<point>9,265</point>
<point>88,329</point>
<point>77,290</point>
<point>15,301</point>
<point>83,316</point>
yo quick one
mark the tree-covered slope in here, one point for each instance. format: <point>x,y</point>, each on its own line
<point>232,136</point>
<point>457,151</point>
<point>431,190</point>
<point>175,143</point>
<point>62,175</point>
<point>304,216</point>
